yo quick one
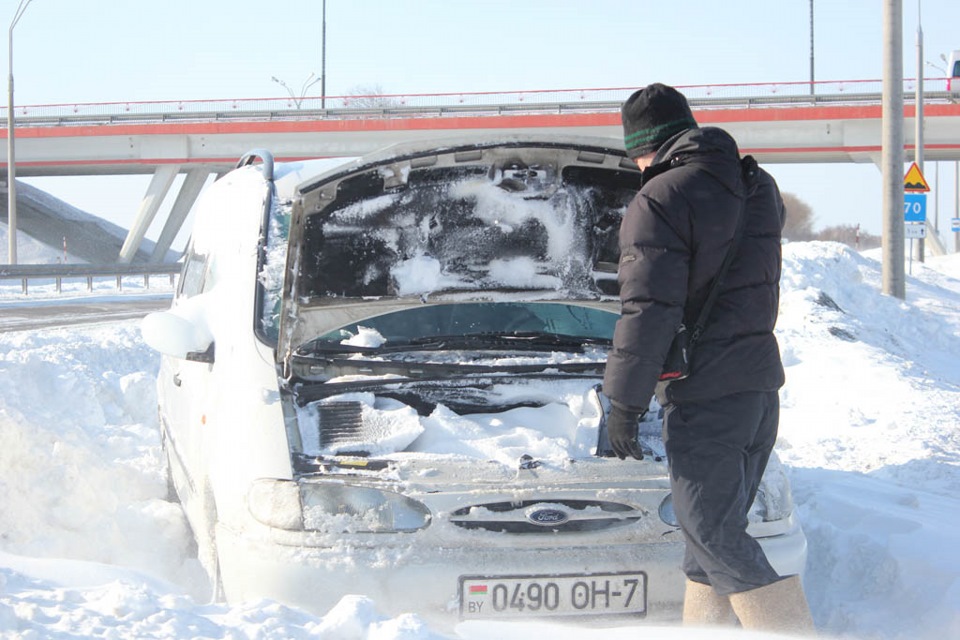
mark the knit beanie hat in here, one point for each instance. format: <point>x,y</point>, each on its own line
<point>651,116</point>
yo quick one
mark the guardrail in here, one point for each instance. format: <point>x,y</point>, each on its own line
<point>467,103</point>
<point>60,272</point>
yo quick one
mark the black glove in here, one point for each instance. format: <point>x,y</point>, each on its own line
<point>622,431</point>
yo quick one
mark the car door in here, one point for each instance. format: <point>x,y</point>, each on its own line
<point>183,392</point>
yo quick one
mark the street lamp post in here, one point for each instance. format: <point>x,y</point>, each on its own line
<point>811,49</point>
<point>297,100</point>
<point>323,59</point>
<point>918,116</point>
<point>956,170</point>
<point>894,279</point>
<point>938,67</point>
<point>11,160</point>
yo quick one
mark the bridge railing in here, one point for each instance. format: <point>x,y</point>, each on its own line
<point>482,103</point>
<point>58,273</point>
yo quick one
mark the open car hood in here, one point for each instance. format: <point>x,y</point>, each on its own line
<point>496,219</point>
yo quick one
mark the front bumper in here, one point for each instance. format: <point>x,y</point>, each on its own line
<point>787,552</point>
<point>417,577</point>
<point>424,579</point>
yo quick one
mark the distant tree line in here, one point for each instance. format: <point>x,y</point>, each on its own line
<point>799,227</point>
<point>370,97</point>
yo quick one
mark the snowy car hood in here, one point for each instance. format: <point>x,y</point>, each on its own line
<point>508,218</point>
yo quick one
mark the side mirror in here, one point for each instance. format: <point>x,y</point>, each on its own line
<point>174,335</point>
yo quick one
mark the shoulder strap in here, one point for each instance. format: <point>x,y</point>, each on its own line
<point>749,167</point>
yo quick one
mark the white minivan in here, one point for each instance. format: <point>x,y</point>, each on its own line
<point>382,378</point>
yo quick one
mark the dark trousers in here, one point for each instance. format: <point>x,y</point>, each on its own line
<point>717,451</point>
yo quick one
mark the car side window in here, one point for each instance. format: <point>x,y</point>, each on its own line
<point>272,265</point>
<point>194,272</point>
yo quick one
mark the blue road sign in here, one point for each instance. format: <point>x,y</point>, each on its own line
<point>914,207</point>
<point>954,224</point>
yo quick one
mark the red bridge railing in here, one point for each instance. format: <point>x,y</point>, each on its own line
<point>751,95</point>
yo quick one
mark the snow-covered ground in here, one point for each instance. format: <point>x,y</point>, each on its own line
<point>870,433</point>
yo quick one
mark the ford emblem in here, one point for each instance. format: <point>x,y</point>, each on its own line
<point>547,517</point>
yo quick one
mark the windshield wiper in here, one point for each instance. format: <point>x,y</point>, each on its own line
<point>513,341</point>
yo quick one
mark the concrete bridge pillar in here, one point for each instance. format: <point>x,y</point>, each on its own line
<point>156,191</point>
<point>189,191</point>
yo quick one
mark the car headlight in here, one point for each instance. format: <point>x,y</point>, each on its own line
<point>666,511</point>
<point>774,499</point>
<point>771,510</point>
<point>333,508</point>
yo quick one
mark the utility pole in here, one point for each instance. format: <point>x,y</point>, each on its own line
<point>11,132</point>
<point>11,160</point>
<point>956,204</point>
<point>894,280</point>
<point>811,48</point>
<point>936,197</point>
<point>918,117</point>
<point>323,59</point>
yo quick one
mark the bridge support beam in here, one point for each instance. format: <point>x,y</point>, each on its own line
<point>189,191</point>
<point>159,186</point>
<point>935,246</point>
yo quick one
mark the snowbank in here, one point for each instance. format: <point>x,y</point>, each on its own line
<point>870,435</point>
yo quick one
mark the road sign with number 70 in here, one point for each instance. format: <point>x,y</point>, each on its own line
<point>914,207</point>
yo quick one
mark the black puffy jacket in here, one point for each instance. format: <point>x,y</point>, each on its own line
<point>673,239</point>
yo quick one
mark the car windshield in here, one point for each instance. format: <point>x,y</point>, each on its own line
<point>479,324</point>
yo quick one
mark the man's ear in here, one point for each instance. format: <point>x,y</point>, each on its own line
<point>645,160</point>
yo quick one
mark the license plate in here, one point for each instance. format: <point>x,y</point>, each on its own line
<point>517,596</point>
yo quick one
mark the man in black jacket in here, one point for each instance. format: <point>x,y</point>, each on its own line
<point>720,423</point>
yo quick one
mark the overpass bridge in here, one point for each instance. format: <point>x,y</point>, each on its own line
<point>776,122</point>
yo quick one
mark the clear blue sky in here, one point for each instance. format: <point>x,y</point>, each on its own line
<point>118,50</point>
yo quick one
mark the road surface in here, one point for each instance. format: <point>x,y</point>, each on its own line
<point>45,313</point>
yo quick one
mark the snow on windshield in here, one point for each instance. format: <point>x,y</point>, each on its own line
<point>467,234</point>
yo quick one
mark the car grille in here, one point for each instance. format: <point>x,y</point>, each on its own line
<point>556,516</point>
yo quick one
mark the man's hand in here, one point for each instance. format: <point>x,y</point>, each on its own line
<point>622,430</point>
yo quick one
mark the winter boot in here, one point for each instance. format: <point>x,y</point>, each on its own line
<point>703,606</point>
<point>779,607</point>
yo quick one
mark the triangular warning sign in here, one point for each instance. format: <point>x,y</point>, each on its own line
<point>914,180</point>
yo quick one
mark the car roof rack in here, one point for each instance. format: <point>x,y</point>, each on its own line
<point>265,156</point>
